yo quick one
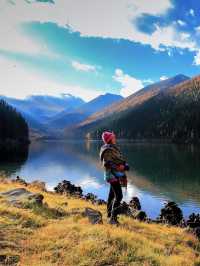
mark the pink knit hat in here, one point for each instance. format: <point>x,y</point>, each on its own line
<point>107,136</point>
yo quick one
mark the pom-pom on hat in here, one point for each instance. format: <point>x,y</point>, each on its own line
<point>107,136</point>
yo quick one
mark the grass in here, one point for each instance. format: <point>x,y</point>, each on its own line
<point>40,239</point>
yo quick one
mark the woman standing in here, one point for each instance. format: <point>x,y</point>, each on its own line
<point>114,173</point>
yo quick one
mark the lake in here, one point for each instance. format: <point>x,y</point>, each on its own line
<point>159,172</point>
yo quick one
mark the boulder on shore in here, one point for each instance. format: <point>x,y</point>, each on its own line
<point>94,216</point>
<point>18,196</point>
<point>171,214</point>
<point>65,187</point>
<point>133,209</point>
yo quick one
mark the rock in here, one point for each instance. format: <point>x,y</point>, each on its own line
<point>65,187</point>
<point>129,210</point>
<point>90,196</point>
<point>135,203</point>
<point>19,196</point>
<point>20,180</point>
<point>100,202</point>
<point>10,260</point>
<point>193,224</point>
<point>95,217</point>
<point>196,232</point>
<point>36,198</point>
<point>139,215</point>
<point>171,214</point>
<point>15,194</point>
<point>125,209</point>
<point>194,220</point>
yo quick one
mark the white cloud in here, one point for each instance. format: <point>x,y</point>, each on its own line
<point>17,81</point>
<point>169,37</point>
<point>191,12</point>
<point>129,84</point>
<point>181,22</point>
<point>163,77</point>
<point>83,67</point>
<point>197,29</point>
<point>12,37</point>
<point>196,61</point>
<point>92,18</point>
<point>147,81</point>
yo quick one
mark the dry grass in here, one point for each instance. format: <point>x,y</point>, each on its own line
<point>73,241</point>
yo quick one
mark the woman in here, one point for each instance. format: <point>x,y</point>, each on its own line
<point>115,167</point>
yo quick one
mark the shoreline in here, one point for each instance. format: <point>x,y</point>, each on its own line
<point>56,230</point>
<point>135,141</point>
<point>168,213</point>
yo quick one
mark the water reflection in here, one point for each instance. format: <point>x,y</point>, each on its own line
<point>12,163</point>
<point>158,172</point>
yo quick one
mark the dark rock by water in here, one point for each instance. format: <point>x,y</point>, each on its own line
<point>194,220</point>
<point>135,203</point>
<point>133,209</point>
<point>9,260</point>
<point>90,196</point>
<point>94,216</point>
<point>65,187</point>
<point>171,214</point>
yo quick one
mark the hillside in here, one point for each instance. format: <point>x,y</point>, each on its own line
<point>173,114</point>
<point>40,235</point>
<point>136,99</point>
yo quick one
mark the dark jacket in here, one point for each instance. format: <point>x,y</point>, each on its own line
<point>111,157</point>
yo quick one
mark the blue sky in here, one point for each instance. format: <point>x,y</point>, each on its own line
<point>91,47</point>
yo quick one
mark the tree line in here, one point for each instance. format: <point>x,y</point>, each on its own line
<point>14,133</point>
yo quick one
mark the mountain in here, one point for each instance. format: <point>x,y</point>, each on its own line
<point>115,110</point>
<point>172,115</point>
<point>39,109</point>
<point>42,107</point>
<point>69,118</point>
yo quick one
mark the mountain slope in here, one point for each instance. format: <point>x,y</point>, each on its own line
<point>173,114</point>
<point>66,118</point>
<point>136,98</point>
<point>113,112</point>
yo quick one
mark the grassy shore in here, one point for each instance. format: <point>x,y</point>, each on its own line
<point>41,240</point>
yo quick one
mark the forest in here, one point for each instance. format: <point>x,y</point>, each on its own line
<point>172,115</point>
<point>14,133</point>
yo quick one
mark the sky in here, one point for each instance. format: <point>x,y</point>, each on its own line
<point>92,47</point>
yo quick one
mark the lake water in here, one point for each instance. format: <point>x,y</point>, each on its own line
<point>159,172</point>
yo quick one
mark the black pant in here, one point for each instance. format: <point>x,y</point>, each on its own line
<point>114,199</point>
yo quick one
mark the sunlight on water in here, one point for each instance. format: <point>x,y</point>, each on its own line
<point>158,172</point>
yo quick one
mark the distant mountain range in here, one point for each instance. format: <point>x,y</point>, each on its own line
<point>47,115</point>
<point>166,110</point>
<point>69,118</point>
<point>109,117</point>
<point>43,107</point>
